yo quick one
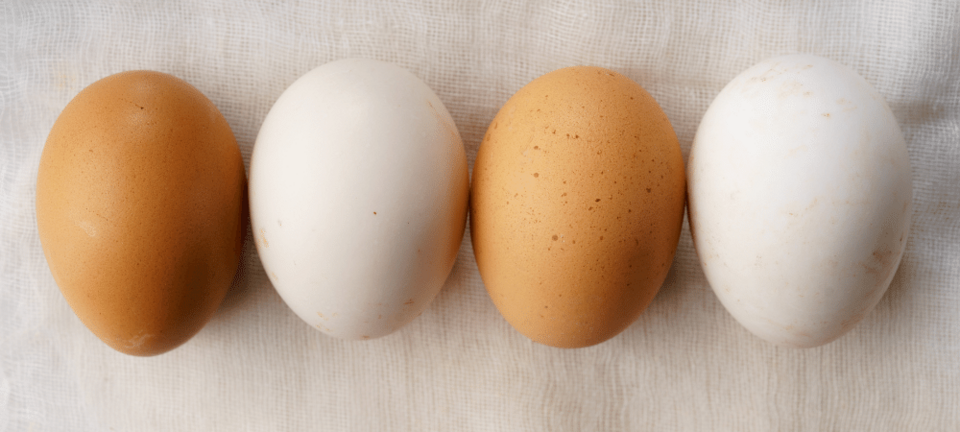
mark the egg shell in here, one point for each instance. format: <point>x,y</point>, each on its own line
<point>577,204</point>
<point>140,197</point>
<point>358,196</point>
<point>800,198</point>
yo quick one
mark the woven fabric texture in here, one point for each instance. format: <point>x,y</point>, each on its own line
<point>685,365</point>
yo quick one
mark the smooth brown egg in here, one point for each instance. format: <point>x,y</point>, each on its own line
<point>140,209</point>
<point>577,204</point>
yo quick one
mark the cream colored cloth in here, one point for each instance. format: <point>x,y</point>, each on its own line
<point>685,365</point>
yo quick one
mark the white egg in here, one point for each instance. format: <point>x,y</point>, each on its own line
<point>799,199</point>
<point>358,197</point>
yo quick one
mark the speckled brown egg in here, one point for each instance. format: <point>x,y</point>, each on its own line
<point>577,205</point>
<point>140,198</point>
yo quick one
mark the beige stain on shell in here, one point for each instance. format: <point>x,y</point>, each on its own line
<point>577,205</point>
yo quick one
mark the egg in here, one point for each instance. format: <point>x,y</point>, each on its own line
<point>358,197</point>
<point>139,208</point>
<point>800,199</point>
<point>577,203</point>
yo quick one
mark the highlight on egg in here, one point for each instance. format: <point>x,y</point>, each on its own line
<point>800,199</point>
<point>577,204</point>
<point>140,209</point>
<point>358,197</point>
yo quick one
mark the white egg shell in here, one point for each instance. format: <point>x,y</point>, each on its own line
<point>358,197</point>
<point>799,199</point>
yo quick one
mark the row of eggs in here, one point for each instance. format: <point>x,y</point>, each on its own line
<point>797,185</point>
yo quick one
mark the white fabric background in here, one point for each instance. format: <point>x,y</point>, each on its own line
<point>685,365</point>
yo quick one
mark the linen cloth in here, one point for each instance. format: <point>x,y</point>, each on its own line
<point>685,365</point>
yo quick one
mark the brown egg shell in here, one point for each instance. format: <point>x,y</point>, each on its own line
<point>577,205</point>
<point>140,200</point>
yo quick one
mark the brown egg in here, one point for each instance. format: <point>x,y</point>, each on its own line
<point>140,199</point>
<point>577,204</point>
